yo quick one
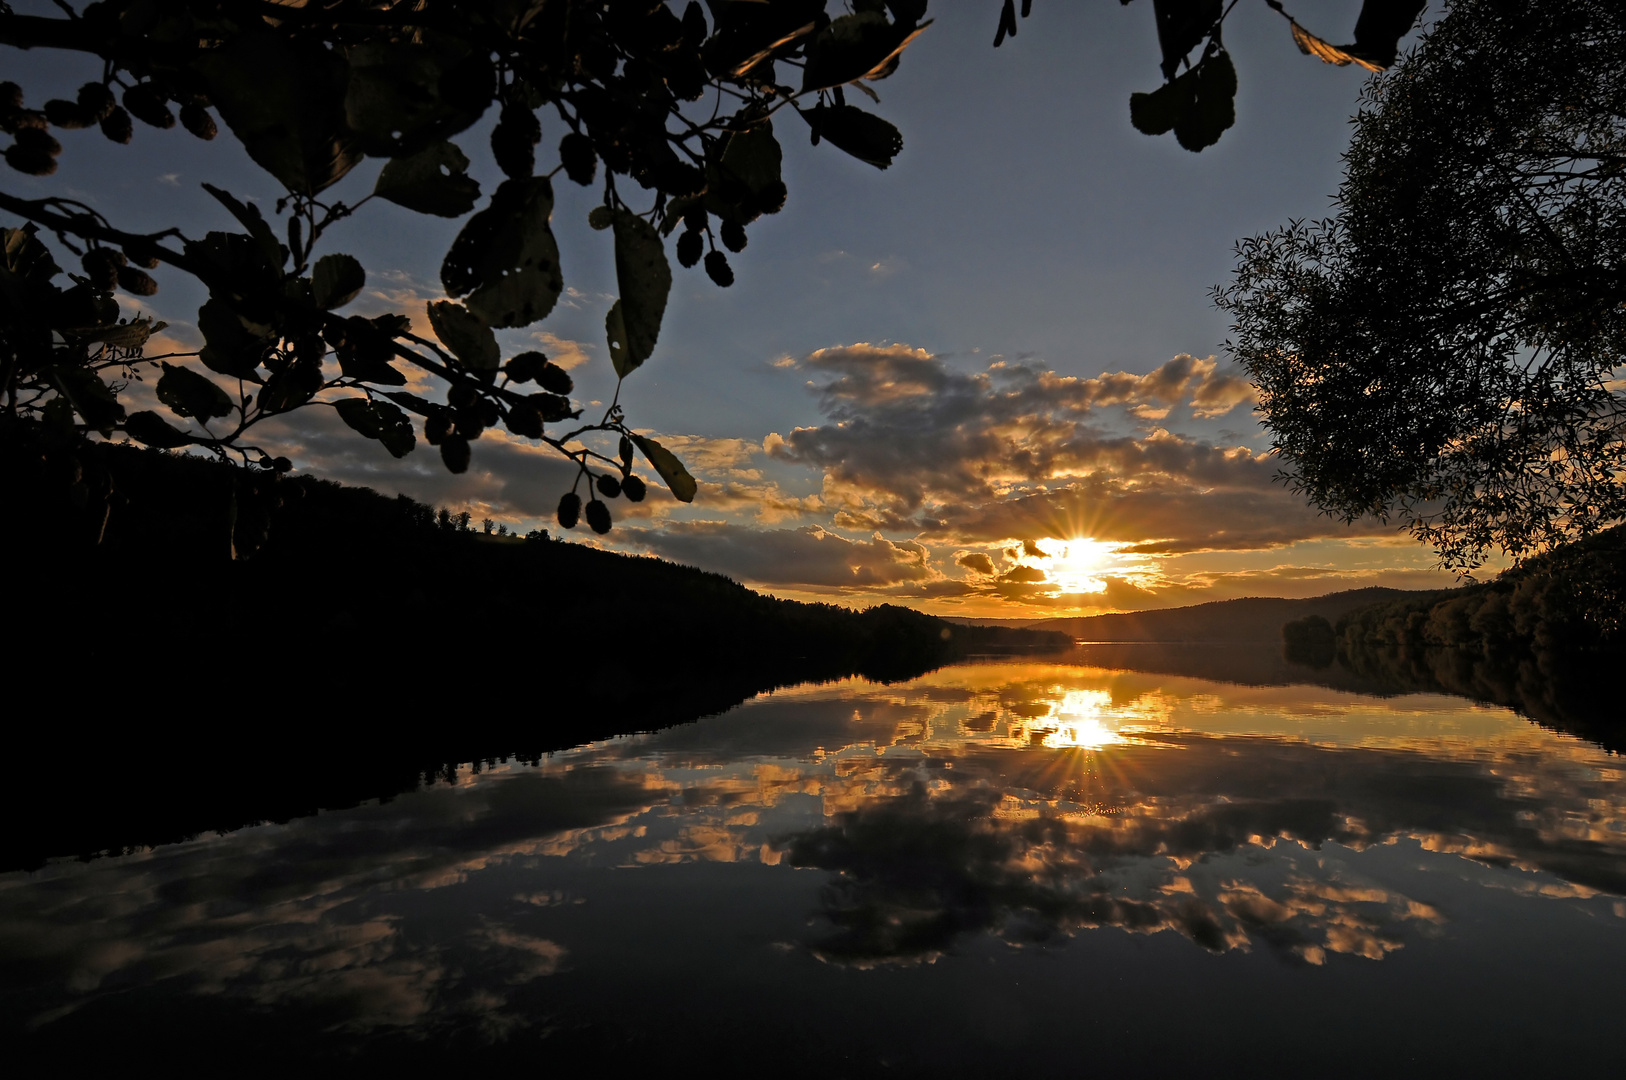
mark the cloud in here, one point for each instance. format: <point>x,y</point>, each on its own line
<point>508,478</point>
<point>562,351</point>
<point>911,445</point>
<point>809,556</point>
<point>905,427</point>
<point>921,463</point>
<point>975,561</point>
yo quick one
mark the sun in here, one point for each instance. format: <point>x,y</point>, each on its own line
<point>1075,566</point>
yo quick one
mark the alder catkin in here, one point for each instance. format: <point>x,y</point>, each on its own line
<point>116,125</point>
<point>598,517</point>
<point>570,510</point>
<point>97,101</point>
<point>146,103</point>
<point>196,119</point>
<point>718,270</point>
<point>689,249</point>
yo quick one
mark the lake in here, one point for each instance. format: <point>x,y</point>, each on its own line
<point>1011,867</point>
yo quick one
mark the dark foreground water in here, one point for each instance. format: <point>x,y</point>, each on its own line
<point>995,869</point>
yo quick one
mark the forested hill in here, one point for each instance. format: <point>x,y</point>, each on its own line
<point>160,689</point>
<point>351,578</point>
<point>1252,618</point>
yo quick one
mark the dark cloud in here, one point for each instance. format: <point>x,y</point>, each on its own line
<point>1016,450</point>
<point>976,561</point>
<point>905,426</point>
<point>507,477</point>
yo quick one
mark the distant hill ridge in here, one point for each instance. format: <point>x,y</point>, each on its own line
<point>1249,618</point>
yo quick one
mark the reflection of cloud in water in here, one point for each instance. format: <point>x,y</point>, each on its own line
<point>1239,818</point>
<point>918,871</point>
<point>314,913</point>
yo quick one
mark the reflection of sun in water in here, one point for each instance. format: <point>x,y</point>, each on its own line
<point>1079,721</point>
<point>1076,568</point>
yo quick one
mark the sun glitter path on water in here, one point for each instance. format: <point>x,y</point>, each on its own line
<point>1078,720</point>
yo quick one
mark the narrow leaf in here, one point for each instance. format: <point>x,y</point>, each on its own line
<point>615,335</point>
<point>154,430</point>
<point>671,469</point>
<point>252,220</point>
<point>645,278</point>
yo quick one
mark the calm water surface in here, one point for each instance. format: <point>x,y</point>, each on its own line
<point>993,869</point>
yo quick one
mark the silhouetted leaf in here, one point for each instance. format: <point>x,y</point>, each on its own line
<point>1198,106</point>
<point>506,260</point>
<point>412,402</point>
<point>154,430</point>
<point>379,420</point>
<point>645,279</point>
<point>282,98</point>
<point>336,280</point>
<point>401,94</point>
<point>1157,113</point>
<point>1181,24</point>
<point>744,181</point>
<point>615,335</point>
<point>1378,30</point>
<point>189,394</point>
<point>431,181</point>
<point>292,386</point>
<point>855,47</point>
<point>671,469</point>
<point>465,334</point>
<point>1214,108</point>
<point>22,255</point>
<point>252,220</point>
<point>91,398</point>
<point>124,335</point>
<point>1310,45</point>
<point>753,156</point>
<point>229,347</point>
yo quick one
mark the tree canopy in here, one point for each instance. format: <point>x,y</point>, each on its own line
<point>1447,350</point>
<point>683,110</point>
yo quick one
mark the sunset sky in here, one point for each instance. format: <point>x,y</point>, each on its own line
<point>987,381</point>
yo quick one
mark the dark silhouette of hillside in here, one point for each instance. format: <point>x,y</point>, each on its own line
<point>1251,618</point>
<point>165,689</point>
<point>1546,638</point>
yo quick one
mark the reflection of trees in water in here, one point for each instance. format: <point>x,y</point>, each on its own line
<point>1580,698</point>
<point>1544,638</point>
